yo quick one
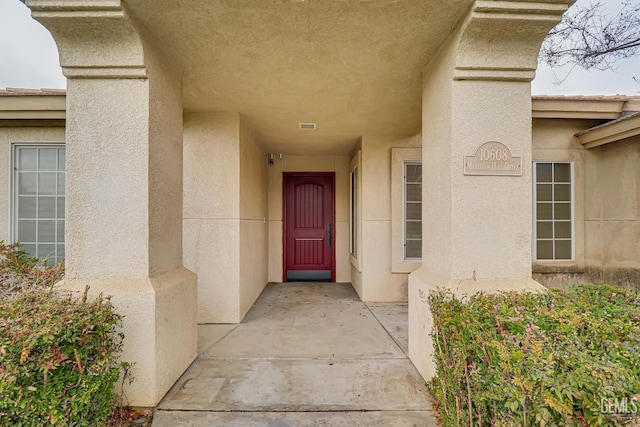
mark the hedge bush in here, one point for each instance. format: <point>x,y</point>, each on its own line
<point>19,271</point>
<point>58,354</point>
<point>563,358</point>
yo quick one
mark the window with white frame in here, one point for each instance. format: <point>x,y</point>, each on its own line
<point>553,211</point>
<point>412,205</point>
<point>39,200</point>
<point>353,177</point>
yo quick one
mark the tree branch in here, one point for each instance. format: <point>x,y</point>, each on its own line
<point>590,38</point>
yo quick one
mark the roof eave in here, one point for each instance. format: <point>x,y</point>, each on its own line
<point>622,128</point>
<point>583,107</point>
<point>33,107</point>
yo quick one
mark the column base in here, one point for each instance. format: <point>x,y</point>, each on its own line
<point>421,283</point>
<point>159,325</point>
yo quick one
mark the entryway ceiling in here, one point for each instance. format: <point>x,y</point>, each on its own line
<point>351,66</point>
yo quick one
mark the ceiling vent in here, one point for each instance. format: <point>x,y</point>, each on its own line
<point>308,126</point>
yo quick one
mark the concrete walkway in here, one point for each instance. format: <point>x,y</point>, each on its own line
<point>306,355</point>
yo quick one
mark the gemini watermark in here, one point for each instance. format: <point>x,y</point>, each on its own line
<point>625,407</point>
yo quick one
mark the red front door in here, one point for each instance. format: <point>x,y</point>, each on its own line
<point>309,226</point>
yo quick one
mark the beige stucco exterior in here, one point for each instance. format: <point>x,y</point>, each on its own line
<point>612,212</point>
<point>554,140</point>
<point>212,193</point>
<point>605,190</point>
<point>476,229</point>
<point>372,270</point>
<point>124,196</point>
<point>171,119</point>
<point>232,195</point>
<point>225,194</point>
<point>19,135</point>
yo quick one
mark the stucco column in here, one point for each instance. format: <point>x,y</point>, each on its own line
<point>124,186</point>
<point>477,220</point>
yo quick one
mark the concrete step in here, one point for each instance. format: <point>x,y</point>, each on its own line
<point>294,419</point>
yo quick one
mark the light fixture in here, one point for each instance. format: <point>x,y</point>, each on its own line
<point>308,126</point>
<point>270,159</point>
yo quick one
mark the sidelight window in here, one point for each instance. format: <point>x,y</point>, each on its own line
<point>412,205</point>
<point>353,177</point>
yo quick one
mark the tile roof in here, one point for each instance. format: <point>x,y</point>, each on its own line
<point>10,91</point>
<point>587,97</point>
<point>616,122</point>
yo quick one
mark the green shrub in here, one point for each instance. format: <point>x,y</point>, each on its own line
<point>19,271</point>
<point>58,354</point>
<point>514,359</point>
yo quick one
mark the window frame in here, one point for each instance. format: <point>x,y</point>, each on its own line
<point>354,208</point>
<point>400,155</point>
<point>405,258</point>
<point>14,191</point>
<point>572,220</point>
<point>355,218</point>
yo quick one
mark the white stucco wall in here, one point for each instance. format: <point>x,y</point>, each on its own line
<point>107,178</point>
<point>476,229</point>
<point>165,166</point>
<point>254,254</point>
<point>8,137</point>
<point>211,215</point>
<point>378,282</point>
<point>612,212</point>
<point>124,209</point>
<point>225,210</point>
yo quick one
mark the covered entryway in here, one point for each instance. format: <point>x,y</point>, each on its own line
<point>309,226</point>
<point>172,117</point>
<point>306,354</point>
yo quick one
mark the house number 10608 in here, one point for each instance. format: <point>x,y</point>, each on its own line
<point>493,158</point>
<point>486,154</point>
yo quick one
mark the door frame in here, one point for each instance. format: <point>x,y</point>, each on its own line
<point>285,176</point>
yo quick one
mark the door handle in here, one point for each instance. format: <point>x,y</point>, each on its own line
<point>329,234</point>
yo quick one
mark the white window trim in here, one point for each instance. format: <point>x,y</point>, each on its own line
<point>356,165</point>
<point>534,240</point>
<point>400,156</point>
<point>13,204</point>
<point>354,208</point>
